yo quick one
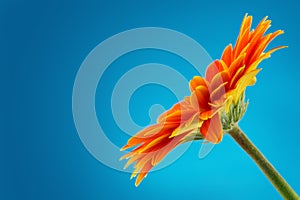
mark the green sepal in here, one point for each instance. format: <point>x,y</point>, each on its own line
<point>235,113</point>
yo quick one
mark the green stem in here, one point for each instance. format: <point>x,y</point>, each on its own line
<point>285,190</point>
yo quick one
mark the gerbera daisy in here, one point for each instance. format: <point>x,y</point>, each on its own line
<point>216,102</point>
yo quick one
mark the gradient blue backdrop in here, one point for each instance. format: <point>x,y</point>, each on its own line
<point>42,47</point>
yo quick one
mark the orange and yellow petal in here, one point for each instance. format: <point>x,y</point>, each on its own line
<point>212,130</point>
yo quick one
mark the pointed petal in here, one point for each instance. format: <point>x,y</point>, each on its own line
<point>227,55</point>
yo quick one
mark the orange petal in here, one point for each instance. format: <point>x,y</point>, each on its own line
<point>200,98</point>
<point>209,113</point>
<point>144,171</point>
<point>163,116</point>
<point>242,42</point>
<point>219,79</point>
<point>239,73</point>
<point>152,143</point>
<point>236,64</point>
<point>263,43</point>
<point>197,81</point>
<point>243,37</point>
<point>218,92</point>
<point>257,35</point>
<point>164,150</point>
<point>212,70</point>
<point>227,55</point>
<point>189,126</point>
<point>211,129</point>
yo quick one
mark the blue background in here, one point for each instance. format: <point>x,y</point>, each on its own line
<point>43,45</point>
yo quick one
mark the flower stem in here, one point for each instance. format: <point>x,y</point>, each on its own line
<point>285,190</point>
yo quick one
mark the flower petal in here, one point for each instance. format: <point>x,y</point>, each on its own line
<point>211,129</point>
<point>197,81</point>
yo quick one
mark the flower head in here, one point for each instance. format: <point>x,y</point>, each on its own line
<point>216,101</point>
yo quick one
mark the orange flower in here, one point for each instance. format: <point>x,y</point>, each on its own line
<point>199,116</point>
